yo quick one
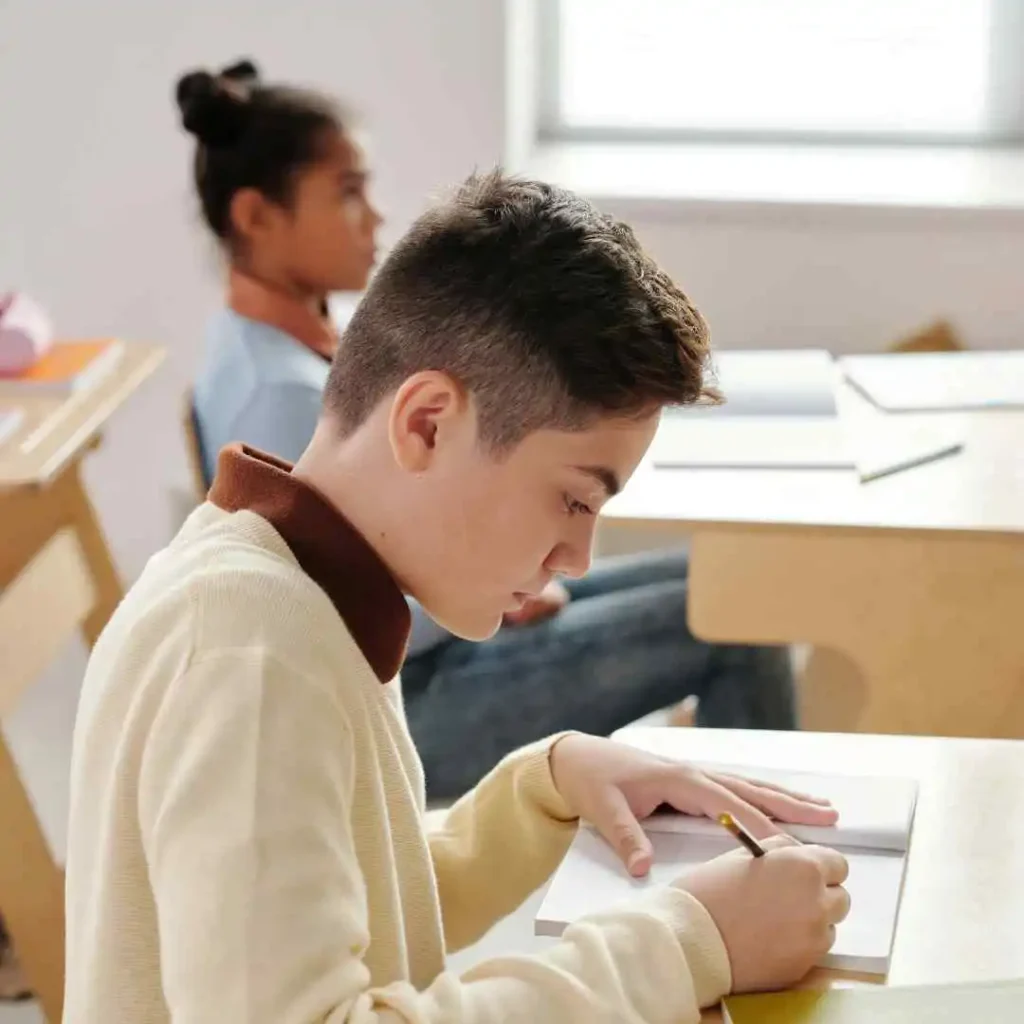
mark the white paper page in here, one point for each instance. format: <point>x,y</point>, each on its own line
<point>933,381</point>
<point>874,813</point>
<point>592,879</point>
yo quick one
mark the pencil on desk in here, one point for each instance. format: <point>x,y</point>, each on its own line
<point>730,824</point>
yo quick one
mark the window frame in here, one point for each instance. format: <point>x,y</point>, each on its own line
<point>1005,126</point>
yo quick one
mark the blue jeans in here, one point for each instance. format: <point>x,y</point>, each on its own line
<point>619,650</point>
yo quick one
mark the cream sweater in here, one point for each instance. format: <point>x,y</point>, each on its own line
<point>246,840</point>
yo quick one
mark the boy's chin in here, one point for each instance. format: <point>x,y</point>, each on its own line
<point>475,626</point>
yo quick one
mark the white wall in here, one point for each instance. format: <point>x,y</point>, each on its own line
<point>843,279</point>
<point>96,217</point>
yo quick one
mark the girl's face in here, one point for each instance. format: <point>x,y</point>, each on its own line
<point>325,239</point>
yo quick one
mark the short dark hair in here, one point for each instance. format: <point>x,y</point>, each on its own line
<point>548,312</point>
<point>250,135</point>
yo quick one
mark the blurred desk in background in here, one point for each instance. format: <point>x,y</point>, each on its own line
<point>917,579</point>
<point>56,578</point>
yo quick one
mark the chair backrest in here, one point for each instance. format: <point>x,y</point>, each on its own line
<point>194,447</point>
<point>939,336</point>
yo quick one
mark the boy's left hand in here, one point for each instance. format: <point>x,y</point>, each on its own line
<point>614,787</point>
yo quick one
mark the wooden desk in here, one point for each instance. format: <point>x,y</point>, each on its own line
<point>917,578</point>
<point>56,577</point>
<point>963,899</point>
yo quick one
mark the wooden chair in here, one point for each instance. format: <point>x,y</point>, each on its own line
<point>194,447</point>
<point>939,336</point>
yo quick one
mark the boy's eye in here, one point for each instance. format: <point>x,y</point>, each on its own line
<point>576,508</point>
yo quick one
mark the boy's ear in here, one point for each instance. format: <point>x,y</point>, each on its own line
<point>426,411</point>
<point>250,213</point>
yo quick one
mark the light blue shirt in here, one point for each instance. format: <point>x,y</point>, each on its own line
<point>260,386</point>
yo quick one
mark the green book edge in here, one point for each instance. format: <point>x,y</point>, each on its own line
<point>993,1003</point>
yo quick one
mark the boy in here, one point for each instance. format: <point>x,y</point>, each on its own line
<point>246,841</point>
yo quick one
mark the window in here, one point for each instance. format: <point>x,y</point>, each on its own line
<point>935,71</point>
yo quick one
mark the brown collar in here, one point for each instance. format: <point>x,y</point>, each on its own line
<point>330,550</point>
<point>256,301</point>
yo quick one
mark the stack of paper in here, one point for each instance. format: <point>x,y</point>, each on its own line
<point>875,821</point>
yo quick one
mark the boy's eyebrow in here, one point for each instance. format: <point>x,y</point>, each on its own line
<point>604,476</point>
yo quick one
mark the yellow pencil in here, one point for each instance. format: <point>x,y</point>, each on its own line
<point>730,824</point>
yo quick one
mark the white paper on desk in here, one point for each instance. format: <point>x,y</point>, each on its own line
<point>876,819</point>
<point>939,381</point>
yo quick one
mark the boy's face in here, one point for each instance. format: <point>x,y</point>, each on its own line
<point>486,531</point>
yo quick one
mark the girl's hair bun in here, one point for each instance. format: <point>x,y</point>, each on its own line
<point>215,108</point>
<point>244,72</point>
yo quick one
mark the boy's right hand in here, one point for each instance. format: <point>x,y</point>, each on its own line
<point>777,914</point>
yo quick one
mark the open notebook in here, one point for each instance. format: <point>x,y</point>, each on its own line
<point>876,818</point>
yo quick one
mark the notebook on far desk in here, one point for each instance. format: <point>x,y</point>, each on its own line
<point>773,382</point>
<point>874,830</point>
<point>939,381</point>
<point>780,413</point>
<point>871,451</point>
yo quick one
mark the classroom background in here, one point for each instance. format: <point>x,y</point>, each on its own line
<point>784,240</point>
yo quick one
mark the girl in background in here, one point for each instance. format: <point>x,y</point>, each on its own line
<point>282,178</point>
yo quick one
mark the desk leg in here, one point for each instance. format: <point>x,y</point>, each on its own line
<point>31,892</point>
<point>932,622</point>
<point>106,582</point>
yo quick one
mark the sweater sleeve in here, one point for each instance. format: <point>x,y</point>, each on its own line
<point>244,796</point>
<point>515,807</point>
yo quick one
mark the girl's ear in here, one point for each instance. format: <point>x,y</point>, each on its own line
<point>250,214</point>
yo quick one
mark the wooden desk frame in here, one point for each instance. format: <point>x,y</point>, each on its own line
<point>56,575</point>
<point>931,621</point>
<point>56,578</point>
